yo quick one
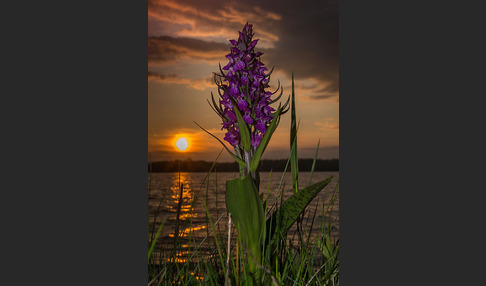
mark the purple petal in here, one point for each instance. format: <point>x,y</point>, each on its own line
<point>242,104</point>
<point>231,114</point>
<point>267,118</point>
<point>244,79</point>
<point>226,124</point>
<point>234,91</point>
<point>256,139</point>
<point>247,119</point>
<point>231,71</point>
<point>252,45</point>
<point>268,109</point>
<point>239,65</point>
<point>234,43</point>
<point>231,138</point>
<point>260,126</point>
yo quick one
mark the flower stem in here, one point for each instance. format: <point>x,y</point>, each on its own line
<point>247,161</point>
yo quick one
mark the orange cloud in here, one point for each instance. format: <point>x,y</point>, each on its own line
<point>328,125</point>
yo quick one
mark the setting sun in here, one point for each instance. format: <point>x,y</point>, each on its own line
<point>181,143</point>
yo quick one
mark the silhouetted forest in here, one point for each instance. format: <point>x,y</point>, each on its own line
<point>188,165</point>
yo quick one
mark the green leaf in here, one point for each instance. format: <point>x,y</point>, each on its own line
<point>244,132</point>
<point>240,162</point>
<point>283,218</point>
<point>246,208</point>
<point>323,248</point>
<point>266,138</point>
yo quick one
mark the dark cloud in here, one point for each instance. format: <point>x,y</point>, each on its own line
<point>333,87</point>
<point>330,91</point>
<point>318,90</point>
<point>166,48</point>
<point>322,96</point>
<point>308,44</point>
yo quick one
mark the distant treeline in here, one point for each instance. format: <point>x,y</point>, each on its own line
<point>188,165</point>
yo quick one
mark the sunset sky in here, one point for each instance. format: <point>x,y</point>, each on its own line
<point>188,39</point>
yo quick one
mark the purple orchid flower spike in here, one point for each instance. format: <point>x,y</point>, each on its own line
<point>242,84</point>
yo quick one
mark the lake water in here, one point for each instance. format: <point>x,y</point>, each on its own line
<point>164,194</point>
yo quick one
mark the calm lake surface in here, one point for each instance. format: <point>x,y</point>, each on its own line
<point>164,194</point>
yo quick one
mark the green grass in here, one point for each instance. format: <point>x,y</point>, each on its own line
<point>312,260</point>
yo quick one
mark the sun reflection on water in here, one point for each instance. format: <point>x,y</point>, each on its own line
<point>182,205</point>
<point>187,231</point>
<point>186,200</point>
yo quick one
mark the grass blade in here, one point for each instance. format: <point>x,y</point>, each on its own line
<point>294,160</point>
<point>314,162</point>
<point>152,245</point>
<point>240,162</point>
